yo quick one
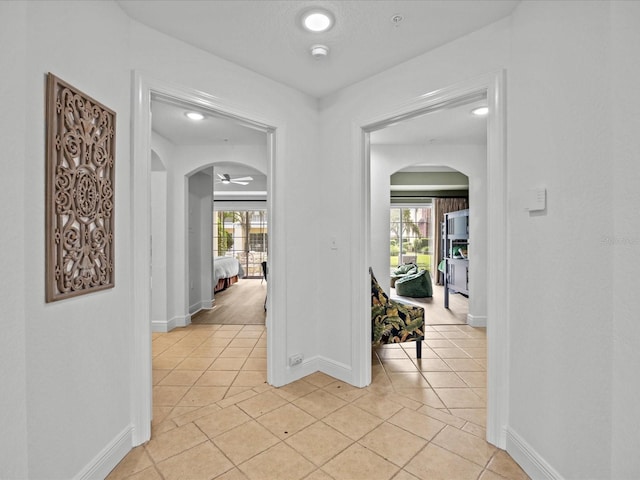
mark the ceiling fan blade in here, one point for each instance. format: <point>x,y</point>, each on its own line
<point>239,183</point>
<point>242,179</point>
<point>220,176</point>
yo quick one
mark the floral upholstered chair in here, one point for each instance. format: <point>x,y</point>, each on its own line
<point>394,322</point>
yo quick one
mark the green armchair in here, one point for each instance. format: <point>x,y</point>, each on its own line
<point>393,321</point>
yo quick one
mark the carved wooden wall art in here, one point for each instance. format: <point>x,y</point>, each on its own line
<point>81,136</point>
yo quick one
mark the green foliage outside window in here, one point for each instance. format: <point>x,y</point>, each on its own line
<point>225,238</point>
<point>410,234</point>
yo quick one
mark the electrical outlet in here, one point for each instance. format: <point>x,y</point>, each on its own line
<point>295,360</point>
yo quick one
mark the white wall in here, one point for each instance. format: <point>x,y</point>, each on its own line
<point>561,296</point>
<point>475,55</point>
<point>200,241</point>
<point>623,245</point>
<point>162,150</point>
<point>184,161</point>
<point>562,385</point>
<point>193,247</point>
<point>158,245</point>
<point>573,335</point>
<point>468,159</point>
<point>295,174</point>
<point>206,249</point>
<point>13,294</point>
<point>70,359</point>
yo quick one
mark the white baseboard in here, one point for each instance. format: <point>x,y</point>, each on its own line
<point>203,305</point>
<point>307,367</point>
<point>108,458</point>
<point>336,369</point>
<point>318,363</point>
<point>164,326</point>
<point>476,320</point>
<point>531,462</point>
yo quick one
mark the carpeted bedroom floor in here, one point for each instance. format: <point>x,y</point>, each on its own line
<point>240,304</point>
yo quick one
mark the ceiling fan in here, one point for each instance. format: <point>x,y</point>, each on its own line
<point>226,179</point>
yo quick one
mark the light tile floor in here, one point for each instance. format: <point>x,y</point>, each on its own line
<point>215,417</point>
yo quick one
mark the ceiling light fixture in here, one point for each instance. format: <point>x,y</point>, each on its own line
<point>480,111</point>
<point>319,51</point>
<point>317,20</point>
<point>195,116</point>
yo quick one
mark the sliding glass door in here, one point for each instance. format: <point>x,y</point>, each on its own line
<point>411,236</point>
<point>242,234</point>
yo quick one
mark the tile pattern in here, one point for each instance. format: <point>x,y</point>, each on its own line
<point>215,417</point>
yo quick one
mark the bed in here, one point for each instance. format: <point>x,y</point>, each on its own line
<point>226,272</point>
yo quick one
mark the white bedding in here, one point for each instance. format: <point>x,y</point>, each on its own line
<point>226,267</point>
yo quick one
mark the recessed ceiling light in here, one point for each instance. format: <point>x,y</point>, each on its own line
<point>480,111</point>
<point>317,20</point>
<point>197,116</point>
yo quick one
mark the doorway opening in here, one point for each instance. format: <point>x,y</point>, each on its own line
<point>489,87</point>
<point>177,202</point>
<point>417,242</point>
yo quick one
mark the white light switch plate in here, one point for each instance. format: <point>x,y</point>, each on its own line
<point>536,199</point>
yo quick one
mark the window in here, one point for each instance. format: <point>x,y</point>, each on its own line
<point>411,236</point>
<point>242,234</point>
<point>258,242</point>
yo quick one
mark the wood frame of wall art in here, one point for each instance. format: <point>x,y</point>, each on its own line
<point>80,164</point>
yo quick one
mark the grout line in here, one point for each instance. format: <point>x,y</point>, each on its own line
<point>289,400</point>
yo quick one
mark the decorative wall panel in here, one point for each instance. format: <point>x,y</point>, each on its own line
<point>79,192</point>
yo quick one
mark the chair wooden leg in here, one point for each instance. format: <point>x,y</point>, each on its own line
<point>419,348</point>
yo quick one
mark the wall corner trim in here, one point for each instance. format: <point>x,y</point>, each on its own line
<point>199,306</point>
<point>164,326</point>
<point>335,369</point>
<point>528,458</point>
<point>321,364</point>
<point>109,456</point>
<point>476,320</point>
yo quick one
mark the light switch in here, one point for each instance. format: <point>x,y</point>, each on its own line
<point>334,243</point>
<point>536,199</point>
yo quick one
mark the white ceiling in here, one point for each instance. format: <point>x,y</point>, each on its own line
<point>265,35</point>
<point>454,125</point>
<point>168,119</point>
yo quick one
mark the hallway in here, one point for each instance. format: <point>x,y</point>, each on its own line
<point>215,417</point>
